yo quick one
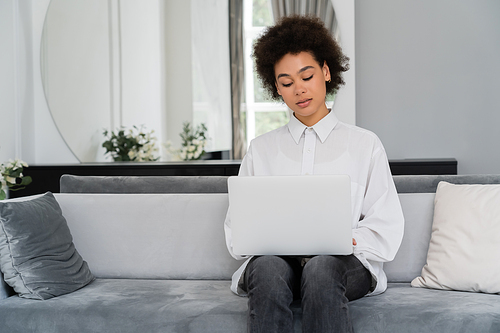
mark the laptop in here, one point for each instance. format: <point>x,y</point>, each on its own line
<point>291,215</point>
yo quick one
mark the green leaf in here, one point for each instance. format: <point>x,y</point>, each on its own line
<point>25,181</point>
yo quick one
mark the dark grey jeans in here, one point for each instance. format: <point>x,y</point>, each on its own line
<point>325,285</point>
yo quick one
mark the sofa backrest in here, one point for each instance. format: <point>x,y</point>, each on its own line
<point>143,184</point>
<point>418,210</point>
<point>429,183</point>
<point>180,236</point>
<point>150,236</point>
<point>218,184</point>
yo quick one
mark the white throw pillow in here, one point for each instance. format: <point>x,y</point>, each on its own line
<point>464,251</point>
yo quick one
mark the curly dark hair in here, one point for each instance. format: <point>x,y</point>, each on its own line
<point>295,34</point>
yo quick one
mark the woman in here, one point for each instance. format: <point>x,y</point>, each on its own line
<point>298,61</point>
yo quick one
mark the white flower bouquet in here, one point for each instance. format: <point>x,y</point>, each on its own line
<point>134,144</point>
<point>12,178</point>
<point>194,142</point>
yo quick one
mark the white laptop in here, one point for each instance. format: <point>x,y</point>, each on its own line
<point>291,215</point>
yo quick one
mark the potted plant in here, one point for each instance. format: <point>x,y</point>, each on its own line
<point>134,144</point>
<point>193,143</point>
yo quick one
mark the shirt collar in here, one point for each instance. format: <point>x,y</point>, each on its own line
<point>323,128</point>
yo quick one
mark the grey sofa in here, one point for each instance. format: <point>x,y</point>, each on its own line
<point>156,246</point>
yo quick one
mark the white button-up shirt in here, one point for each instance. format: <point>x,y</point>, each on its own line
<point>333,147</point>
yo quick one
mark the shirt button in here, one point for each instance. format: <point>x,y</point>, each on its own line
<point>309,151</point>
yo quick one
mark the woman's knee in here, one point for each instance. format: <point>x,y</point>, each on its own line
<point>325,265</point>
<point>268,264</point>
<point>270,271</point>
<point>324,271</point>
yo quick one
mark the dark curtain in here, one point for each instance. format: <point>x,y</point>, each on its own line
<point>237,79</point>
<point>320,8</point>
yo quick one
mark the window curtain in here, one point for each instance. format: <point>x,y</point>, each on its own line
<point>320,8</point>
<point>237,79</point>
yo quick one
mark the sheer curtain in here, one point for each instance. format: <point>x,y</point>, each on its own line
<point>320,8</point>
<point>237,78</point>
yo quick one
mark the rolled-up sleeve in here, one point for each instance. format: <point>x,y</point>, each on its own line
<point>381,225</point>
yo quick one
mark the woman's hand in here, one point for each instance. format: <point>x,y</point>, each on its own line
<point>354,242</point>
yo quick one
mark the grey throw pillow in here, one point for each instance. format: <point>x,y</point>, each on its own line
<point>37,254</point>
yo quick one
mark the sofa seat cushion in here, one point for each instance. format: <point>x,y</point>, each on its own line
<point>128,305</point>
<point>405,309</point>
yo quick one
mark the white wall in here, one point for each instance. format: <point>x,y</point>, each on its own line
<point>428,79</point>
<point>8,131</point>
<point>142,89</point>
<point>345,101</point>
<point>27,130</point>
<point>178,74</point>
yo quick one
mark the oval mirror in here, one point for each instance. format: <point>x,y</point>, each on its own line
<point>101,70</point>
